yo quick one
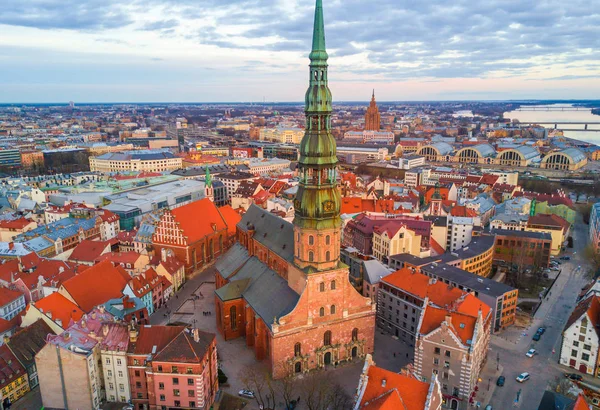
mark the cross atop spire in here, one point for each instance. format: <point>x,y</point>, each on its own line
<point>318,43</point>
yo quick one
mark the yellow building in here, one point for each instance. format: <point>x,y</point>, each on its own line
<point>285,135</point>
<point>557,227</point>
<point>392,239</point>
<point>14,383</point>
<point>477,257</point>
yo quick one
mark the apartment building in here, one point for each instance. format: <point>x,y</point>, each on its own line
<point>522,249</point>
<point>135,161</point>
<point>452,344</point>
<point>581,337</point>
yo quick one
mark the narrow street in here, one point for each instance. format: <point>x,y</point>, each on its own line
<point>552,315</point>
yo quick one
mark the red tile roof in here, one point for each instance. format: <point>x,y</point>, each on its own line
<point>549,220</point>
<point>196,228</point>
<point>59,307</point>
<point>10,368</point>
<point>88,250</point>
<point>117,258</point>
<point>420,286</point>
<point>15,223</point>
<point>7,296</point>
<point>381,382</point>
<point>154,338</point>
<point>580,403</point>
<point>463,211</point>
<point>96,285</point>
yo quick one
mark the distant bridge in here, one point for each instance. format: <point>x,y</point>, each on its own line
<point>567,123</point>
<point>533,108</point>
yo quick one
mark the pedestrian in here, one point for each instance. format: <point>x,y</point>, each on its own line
<point>394,354</point>
<point>407,355</point>
<point>298,401</point>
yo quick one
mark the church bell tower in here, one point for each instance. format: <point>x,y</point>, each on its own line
<point>317,205</point>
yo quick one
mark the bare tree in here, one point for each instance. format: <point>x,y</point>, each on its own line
<point>592,257</point>
<point>253,379</point>
<point>339,399</point>
<point>316,390</point>
<point>286,388</point>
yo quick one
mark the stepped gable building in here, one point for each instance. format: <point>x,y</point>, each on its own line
<point>372,116</point>
<point>283,287</point>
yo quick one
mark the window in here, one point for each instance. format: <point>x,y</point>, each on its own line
<point>161,386</point>
<point>233,317</point>
<point>189,370</point>
<point>121,387</point>
<point>162,397</point>
<point>436,361</point>
<point>311,256</point>
<point>327,338</point>
<point>573,353</point>
<point>437,350</point>
<point>138,385</point>
<point>159,368</point>
<point>175,380</point>
<point>322,312</point>
<point>575,343</point>
<point>177,403</point>
<point>297,349</point>
<point>327,240</point>
<point>585,357</point>
<point>109,373</point>
<point>137,373</point>
<point>190,382</point>
<point>322,287</point>
<point>332,309</point>
<point>192,404</point>
<point>176,392</point>
<point>446,364</point>
<point>354,335</point>
<point>120,373</point>
<point>136,362</point>
<point>107,360</point>
<point>447,353</point>
<point>333,285</point>
<point>311,240</point>
<point>587,347</point>
<point>190,393</point>
<point>111,386</point>
<point>118,362</point>
<point>327,256</point>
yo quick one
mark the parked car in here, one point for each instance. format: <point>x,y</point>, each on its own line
<point>541,330</point>
<point>249,394</point>
<point>565,258</point>
<point>531,353</point>
<point>523,377</point>
<point>500,381</point>
<point>536,337</point>
<point>488,407</point>
<point>574,376</point>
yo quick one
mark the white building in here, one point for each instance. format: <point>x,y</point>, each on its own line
<point>370,137</point>
<point>113,355</point>
<point>136,161</point>
<point>258,166</point>
<point>579,349</point>
<point>460,231</point>
<point>285,135</point>
<point>233,180</point>
<point>13,303</point>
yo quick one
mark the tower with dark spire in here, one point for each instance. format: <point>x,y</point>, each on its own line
<point>317,206</point>
<point>372,116</point>
<point>208,188</point>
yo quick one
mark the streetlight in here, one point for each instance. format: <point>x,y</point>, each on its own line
<point>497,360</point>
<point>489,383</point>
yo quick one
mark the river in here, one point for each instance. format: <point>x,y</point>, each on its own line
<point>558,116</point>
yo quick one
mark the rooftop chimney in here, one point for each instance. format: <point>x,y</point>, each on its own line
<point>196,334</point>
<point>133,334</point>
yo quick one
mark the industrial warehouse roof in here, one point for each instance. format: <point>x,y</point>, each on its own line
<point>574,154</point>
<point>484,150</point>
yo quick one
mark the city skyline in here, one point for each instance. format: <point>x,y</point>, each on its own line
<point>174,51</point>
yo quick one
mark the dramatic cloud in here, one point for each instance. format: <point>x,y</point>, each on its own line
<point>389,40</point>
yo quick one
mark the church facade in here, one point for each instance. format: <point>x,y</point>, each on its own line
<point>282,286</point>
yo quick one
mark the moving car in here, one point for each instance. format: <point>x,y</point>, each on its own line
<point>523,377</point>
<point>249,394</point>
<point>500,381</point>
<point>541,330</point>
<point>574,376</point>
<point>531,353</point>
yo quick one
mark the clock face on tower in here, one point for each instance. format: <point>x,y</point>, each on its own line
<point>328,206</point>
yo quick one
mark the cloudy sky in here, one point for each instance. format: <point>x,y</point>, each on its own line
<point>255,50</point>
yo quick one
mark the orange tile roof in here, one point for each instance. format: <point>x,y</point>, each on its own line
<point>15,223</point>
<point>196,228</point>
<point>463,325</point>
<point>442,294</point>
<point>60,308</point>
<point>388,401</point>
<point>96,285</point>
<point>231,217</point>
<point>461,210</point>
<point>437,248</point>
<point>419,285</point>
<point>580,403</point>
<point>412,391</point>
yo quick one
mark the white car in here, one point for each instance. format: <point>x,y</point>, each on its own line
<point>523,377</point>
<point>249,394</point>
<point>531,353</point>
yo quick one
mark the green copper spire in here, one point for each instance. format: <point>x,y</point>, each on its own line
<point>208,178</point>
<point>318,200</point>
<point>318,43</point>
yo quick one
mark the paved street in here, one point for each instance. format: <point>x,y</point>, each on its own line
<point>553,315</point>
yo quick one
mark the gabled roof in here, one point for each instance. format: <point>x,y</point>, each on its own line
<point>589,306</point>
<point>152,339</point>
<point>10,368</point>
<point>194,227</point>
<point>88,250</point>
<point>380,388</point>
<point>232,260</point>
<point>580,403</point>
<point>270,230</point>
<point>60,308</point>
<point>7,296</point>
<point>97,284</point>
<point>232,218</point>
<point>28,341</point>
<point>184,349</point>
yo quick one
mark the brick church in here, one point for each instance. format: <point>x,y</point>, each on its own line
<point>282,286</point>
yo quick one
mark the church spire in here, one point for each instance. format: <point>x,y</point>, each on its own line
<point>317,206</point>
